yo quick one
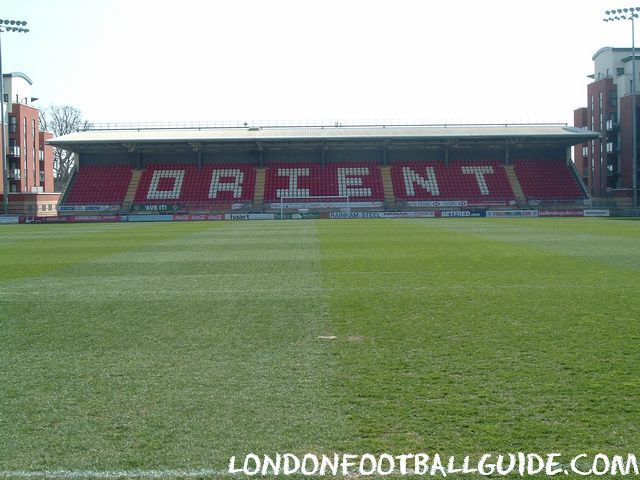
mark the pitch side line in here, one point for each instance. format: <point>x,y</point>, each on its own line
<point>107,474</point>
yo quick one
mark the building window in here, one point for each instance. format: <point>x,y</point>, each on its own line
<point>26,154</point>
<point>6,98</point>
<point>600,100</point>
<point>13,126</point>
<point>620,71</point>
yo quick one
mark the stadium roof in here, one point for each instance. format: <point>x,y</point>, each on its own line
<point>548,133</point>
<point>18,74</point>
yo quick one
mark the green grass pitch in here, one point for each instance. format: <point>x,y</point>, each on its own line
<point>176,346</point>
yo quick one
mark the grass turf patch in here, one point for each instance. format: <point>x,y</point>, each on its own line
<point>473,337</point>
<point>175,346</point>
<point>173,351</point>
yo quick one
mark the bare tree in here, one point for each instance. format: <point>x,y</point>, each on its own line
<point>62,120</point>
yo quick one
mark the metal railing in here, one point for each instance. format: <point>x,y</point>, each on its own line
<point>216,124</point>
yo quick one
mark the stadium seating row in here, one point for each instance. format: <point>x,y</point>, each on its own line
<point>475,181</point>
<point>99,185</point>
<point>360,181</point>
<point>547,180</point>
<point>235,183</point>
<point>189,183</point>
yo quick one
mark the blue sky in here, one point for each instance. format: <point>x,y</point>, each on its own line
<point>401,60</point>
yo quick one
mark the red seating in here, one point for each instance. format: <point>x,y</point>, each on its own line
<point>547,180</point>
<point>187,184</point>
<point>360,181</point>
<point>474,181</point>
<point>99,185</point>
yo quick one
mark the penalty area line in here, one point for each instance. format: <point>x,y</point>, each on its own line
<point>204,472</point>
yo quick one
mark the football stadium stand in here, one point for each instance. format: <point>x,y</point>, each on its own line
<point>358,181</point>
<point>209,187</point>
<point>251,169</point>
<point>99,185</point>
<point>547,180</point>
<point>218,187</point>
<point>476,181</point>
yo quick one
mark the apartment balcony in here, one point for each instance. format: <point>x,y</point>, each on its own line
<point>13,151</point>
<point>611,126</point>
<point>611,148</point>
<point>14,174</point>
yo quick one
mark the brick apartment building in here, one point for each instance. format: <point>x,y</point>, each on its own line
<point>606,164</point>
<point>29,163</point>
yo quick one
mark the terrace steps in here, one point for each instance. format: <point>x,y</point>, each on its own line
<point>258,194</point>
<point>515,185</point>
<point>133,186</point>
<point>387,185</point>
